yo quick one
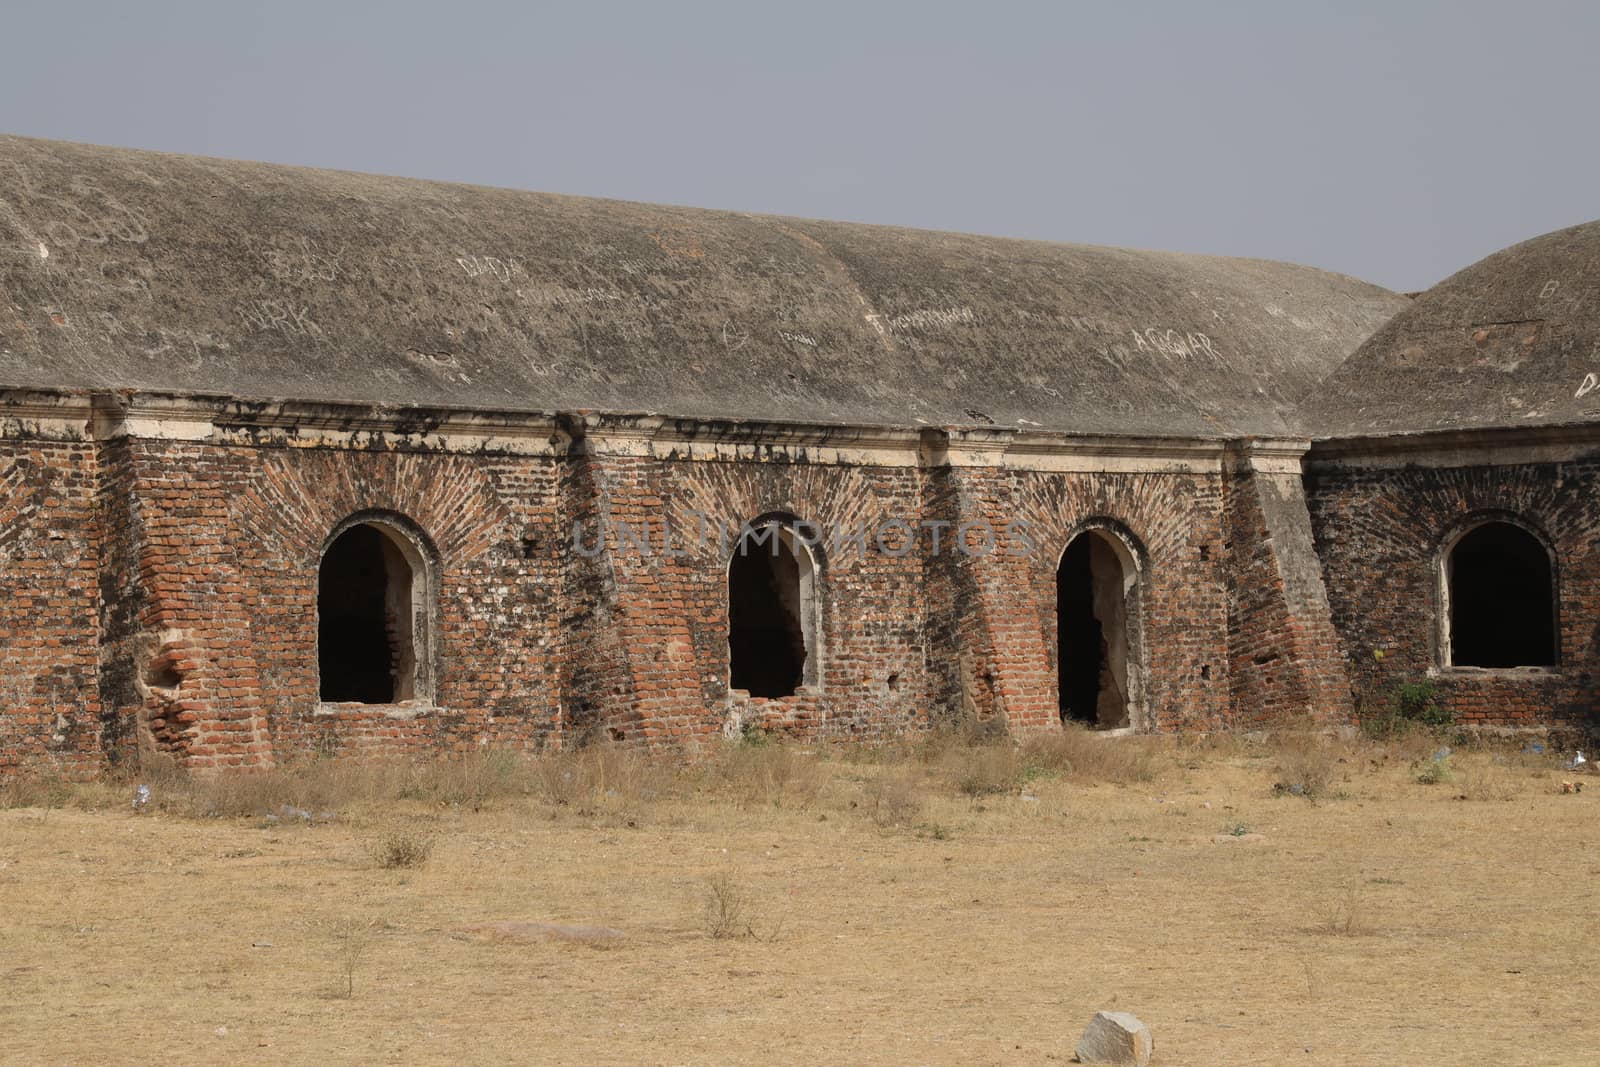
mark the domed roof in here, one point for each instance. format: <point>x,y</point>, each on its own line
<point>1513,340</point>
<point>136,270</point>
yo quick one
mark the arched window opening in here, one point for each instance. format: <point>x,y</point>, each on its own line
<point>370,595</point>
<point>1500,595</point>
<point>772,613</point>
<point>1094,586</point>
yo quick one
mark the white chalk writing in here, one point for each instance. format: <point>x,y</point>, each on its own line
<point>561,296</point>
<point>1173,343</point>
<point>491,267</point>
<point>288,319</point>
<point>93,216</point>
<point>931,318</point>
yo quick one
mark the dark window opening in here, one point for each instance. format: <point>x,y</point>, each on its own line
<point>766,628</point>
<point>364,612</point>
<point>1092,634</point>
<point>1502,599</point>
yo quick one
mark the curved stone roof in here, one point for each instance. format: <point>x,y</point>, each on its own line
<point>124,269</point>
<point>1513,340</point>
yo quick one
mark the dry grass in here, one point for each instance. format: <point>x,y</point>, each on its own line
<point>766,776</point>
<point>1388,922</point>
<point>1344,914</point>
<point>896,797</point>
<point>402,850</point>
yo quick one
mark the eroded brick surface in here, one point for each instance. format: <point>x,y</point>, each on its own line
<point>161,594</point>
<point>1379,534</point>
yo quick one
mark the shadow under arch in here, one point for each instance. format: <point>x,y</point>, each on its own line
<point>1100,663</point>
<point>376,594</point>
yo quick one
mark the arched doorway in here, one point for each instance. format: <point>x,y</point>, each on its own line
<point>1097,628</point>
<point>372,617</point>
<point>772,612</point>
<point>1499,598</point>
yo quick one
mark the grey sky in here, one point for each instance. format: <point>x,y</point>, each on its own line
<point>1397,142</point>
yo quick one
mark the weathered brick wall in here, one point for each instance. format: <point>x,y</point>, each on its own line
<point>183,593</point>
<point>49,698</point>
<point>1174,521</point>
<point>1378,533</point>
<point>650,650</point>
<point>1284,658</point>
<point>232,537</point>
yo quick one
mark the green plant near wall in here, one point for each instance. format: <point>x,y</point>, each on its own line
<point>1408,705</point>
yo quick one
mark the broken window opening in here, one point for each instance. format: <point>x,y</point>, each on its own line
<point>1500,596</point>
<point>772,613</point>
<point>369,592</point>
<point>1094,585</point>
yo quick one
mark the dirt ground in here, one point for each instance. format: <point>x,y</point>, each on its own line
<point>873,911</point>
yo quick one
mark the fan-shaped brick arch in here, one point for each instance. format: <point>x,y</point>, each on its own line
<point>466,518</point>
<point>1009,616</point>
<point>673,655</point>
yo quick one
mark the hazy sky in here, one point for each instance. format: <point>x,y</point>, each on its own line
<point>1395,141</point>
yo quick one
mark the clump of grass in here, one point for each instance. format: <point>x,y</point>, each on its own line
<point>474,780</point>
<point>1344,915</point>
<point>768,774</point>
<point>986,770</point>
<point>1307,764</point>
<point>896,797</point>
<point>351,938</point>
<point>598,778</point>
<point>402,850</point>
<point>730,911</point>
<point>36,790</point>
<point>1487,782</point>
<point>1433,770</point>
<point>1082,754</point>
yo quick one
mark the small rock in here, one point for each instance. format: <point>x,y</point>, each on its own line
<point>221,1031</point>
<point>1116,1037</point>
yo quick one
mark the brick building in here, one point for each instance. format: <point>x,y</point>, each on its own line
<point>298,461</point>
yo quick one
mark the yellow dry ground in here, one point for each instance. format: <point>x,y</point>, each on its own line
<point>888,916</point>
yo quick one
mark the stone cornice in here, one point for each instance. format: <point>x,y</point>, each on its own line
<point>303,424</point>
<point>1458,448</point>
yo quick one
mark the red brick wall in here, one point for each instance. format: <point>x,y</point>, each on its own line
<point>650,659</point>
<point>230,540</point>
<point>1183,613</point>
<point>49,696</point>
<point>207,557</point>
<point>1378,534</point>
<point>1284,657</point>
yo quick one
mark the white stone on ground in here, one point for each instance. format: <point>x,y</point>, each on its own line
<point>1116,1037</point>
